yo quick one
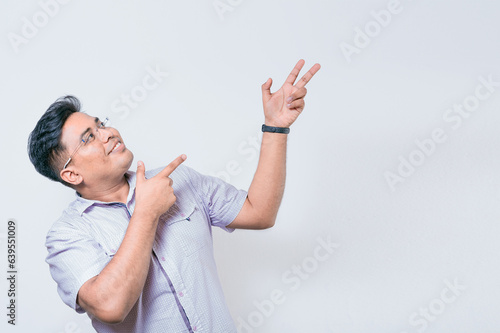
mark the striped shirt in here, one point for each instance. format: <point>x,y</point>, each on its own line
<point>182,292</point>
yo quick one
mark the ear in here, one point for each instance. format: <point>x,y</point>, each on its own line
<point>71,176</point>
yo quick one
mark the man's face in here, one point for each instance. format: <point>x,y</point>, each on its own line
<point>104,159</point>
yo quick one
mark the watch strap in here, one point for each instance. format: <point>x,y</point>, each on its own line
<point>284,130</point>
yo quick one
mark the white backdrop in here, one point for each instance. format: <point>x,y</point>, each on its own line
<point>393,163</point>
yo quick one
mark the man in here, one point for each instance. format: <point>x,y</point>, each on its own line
<point>134,250</point>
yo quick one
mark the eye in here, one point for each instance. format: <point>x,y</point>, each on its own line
<point>89,138</point>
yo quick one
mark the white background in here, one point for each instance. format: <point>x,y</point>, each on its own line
<point>398,247</point>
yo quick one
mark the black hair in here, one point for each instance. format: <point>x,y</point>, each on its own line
<point>44,143</point>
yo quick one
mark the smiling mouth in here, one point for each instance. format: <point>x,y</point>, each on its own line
<point>118,144</point>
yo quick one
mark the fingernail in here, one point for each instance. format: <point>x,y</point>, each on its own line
<point>288,105</point>
<point>289,99</point>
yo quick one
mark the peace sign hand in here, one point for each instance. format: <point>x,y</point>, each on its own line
<point>282,107</point>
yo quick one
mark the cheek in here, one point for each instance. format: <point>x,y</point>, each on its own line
<point>97,165</point>
<point>95,157</point>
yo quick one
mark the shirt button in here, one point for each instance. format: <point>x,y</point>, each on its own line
<point>163,258</point>
<point>194,328</point>
<point>180,294</point>
<point>182,214</point>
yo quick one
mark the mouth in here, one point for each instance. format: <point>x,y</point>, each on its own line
<point>116,146</point>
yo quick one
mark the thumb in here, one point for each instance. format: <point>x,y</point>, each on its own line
<point>141,175</point>
<point>266,89</point>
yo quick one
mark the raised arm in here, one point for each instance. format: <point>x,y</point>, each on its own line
<point>281,109</point>
<point>111,295</point>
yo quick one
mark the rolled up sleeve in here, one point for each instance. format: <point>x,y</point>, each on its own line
<point>74,258</point>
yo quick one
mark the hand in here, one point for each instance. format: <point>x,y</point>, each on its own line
<point>156,195</point>
<point>283,107</point>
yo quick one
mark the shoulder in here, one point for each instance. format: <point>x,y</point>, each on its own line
<point>187,183</point>
<point>181,173</point>
<point>69,223</point>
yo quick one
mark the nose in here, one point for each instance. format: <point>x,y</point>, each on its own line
<point>105,134</point>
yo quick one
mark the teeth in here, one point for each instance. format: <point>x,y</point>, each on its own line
<point>118,144</point>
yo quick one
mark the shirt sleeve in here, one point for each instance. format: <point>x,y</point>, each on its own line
<point>74,258</point>
<point>223,200</point>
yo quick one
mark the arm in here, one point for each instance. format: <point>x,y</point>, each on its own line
<point>111,295</point>
<point>281,109</point>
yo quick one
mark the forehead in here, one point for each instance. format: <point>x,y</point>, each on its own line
<point>74,126</point>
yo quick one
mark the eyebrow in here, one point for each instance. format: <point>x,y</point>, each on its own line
<point>96,120</point>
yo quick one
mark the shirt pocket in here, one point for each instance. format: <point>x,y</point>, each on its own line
<point>187,229</point>
<point>111,245</point>
<point>109,240</point>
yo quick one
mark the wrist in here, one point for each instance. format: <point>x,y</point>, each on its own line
<point>146,214</point>
<point>275,122</point>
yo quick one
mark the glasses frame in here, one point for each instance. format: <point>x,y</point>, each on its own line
<point>84,141</point>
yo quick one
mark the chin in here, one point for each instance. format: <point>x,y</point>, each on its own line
<point>129,159</point>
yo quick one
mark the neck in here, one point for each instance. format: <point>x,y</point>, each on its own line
<point>117,192</point>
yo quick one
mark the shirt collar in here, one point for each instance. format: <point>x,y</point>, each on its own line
<point>82,204</point>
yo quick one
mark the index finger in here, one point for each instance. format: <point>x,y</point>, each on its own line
<point>308,76</point>
<point>295,72</point>
<point>172,166</point>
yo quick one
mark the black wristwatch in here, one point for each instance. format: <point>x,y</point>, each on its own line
<point>284,130</point>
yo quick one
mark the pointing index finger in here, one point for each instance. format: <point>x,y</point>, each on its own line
<point>172,166</point>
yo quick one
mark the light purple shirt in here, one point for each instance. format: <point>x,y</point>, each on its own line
<point>182,292</point>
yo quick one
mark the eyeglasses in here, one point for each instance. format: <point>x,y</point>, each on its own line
<point>87,139</point>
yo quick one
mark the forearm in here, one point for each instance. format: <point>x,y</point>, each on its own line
<point>111,295</point>
<point>266,190</point>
